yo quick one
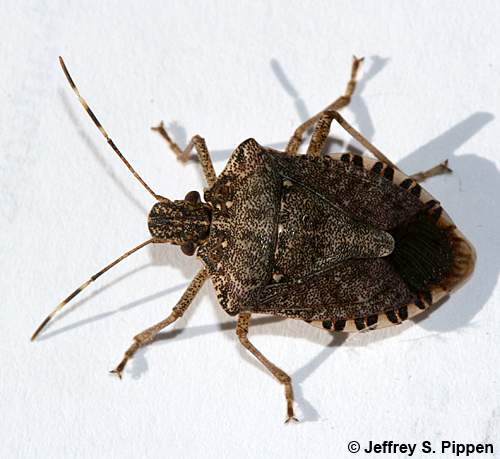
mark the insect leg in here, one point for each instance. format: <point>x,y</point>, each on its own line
<point>297,137</point>
<point>280,375</point>
<point>321,133</point>
<point>148,335</point>
<point>433,171</point>
<point>183,155</point>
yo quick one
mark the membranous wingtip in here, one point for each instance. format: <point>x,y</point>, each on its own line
<point>41,327</point>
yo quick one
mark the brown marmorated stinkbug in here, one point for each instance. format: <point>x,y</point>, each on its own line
<point>343,242</point>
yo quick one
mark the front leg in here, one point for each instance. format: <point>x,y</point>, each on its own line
<point>183,155</point>
<point>279,374</point>
<point>147,336</point>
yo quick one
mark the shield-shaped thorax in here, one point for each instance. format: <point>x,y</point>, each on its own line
<point>245,202</point>
<point>268,226</point>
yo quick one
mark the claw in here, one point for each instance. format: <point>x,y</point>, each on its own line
<point>117,372</point>
<point>445,167</point>
<point>159,127</point>
<point>182,156</point>
<point>290,416</point>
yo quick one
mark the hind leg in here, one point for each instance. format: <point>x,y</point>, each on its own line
<point>432,172</point>
<point>297,137</point>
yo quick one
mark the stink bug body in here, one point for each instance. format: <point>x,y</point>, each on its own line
<point>341,241</point>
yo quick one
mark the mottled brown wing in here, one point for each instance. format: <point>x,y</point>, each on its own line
<point>431,257</point>
<point>354,291</point>
<point>368,195</point>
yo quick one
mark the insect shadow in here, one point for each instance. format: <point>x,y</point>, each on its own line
<point>438,149</point>
<point>473,209</point>
<point>482,179</point>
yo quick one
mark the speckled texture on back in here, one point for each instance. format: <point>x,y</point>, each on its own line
<point>245,202</point>
<point>366,196</point>
<point>353,288</point>
<point>328,239</point>
<point>315,234</point>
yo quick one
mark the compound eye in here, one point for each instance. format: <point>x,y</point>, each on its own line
<point>193,197</point>
<point>188,248</point>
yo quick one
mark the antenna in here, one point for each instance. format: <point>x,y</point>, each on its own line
<point>105,134</point>
<point>86,284</point>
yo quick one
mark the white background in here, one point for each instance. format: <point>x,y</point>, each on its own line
<point>228,70</point>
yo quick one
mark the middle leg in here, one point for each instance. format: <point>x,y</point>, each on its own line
<point>295,141</point>
<point>278,373</point>
<point>322,130</point>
